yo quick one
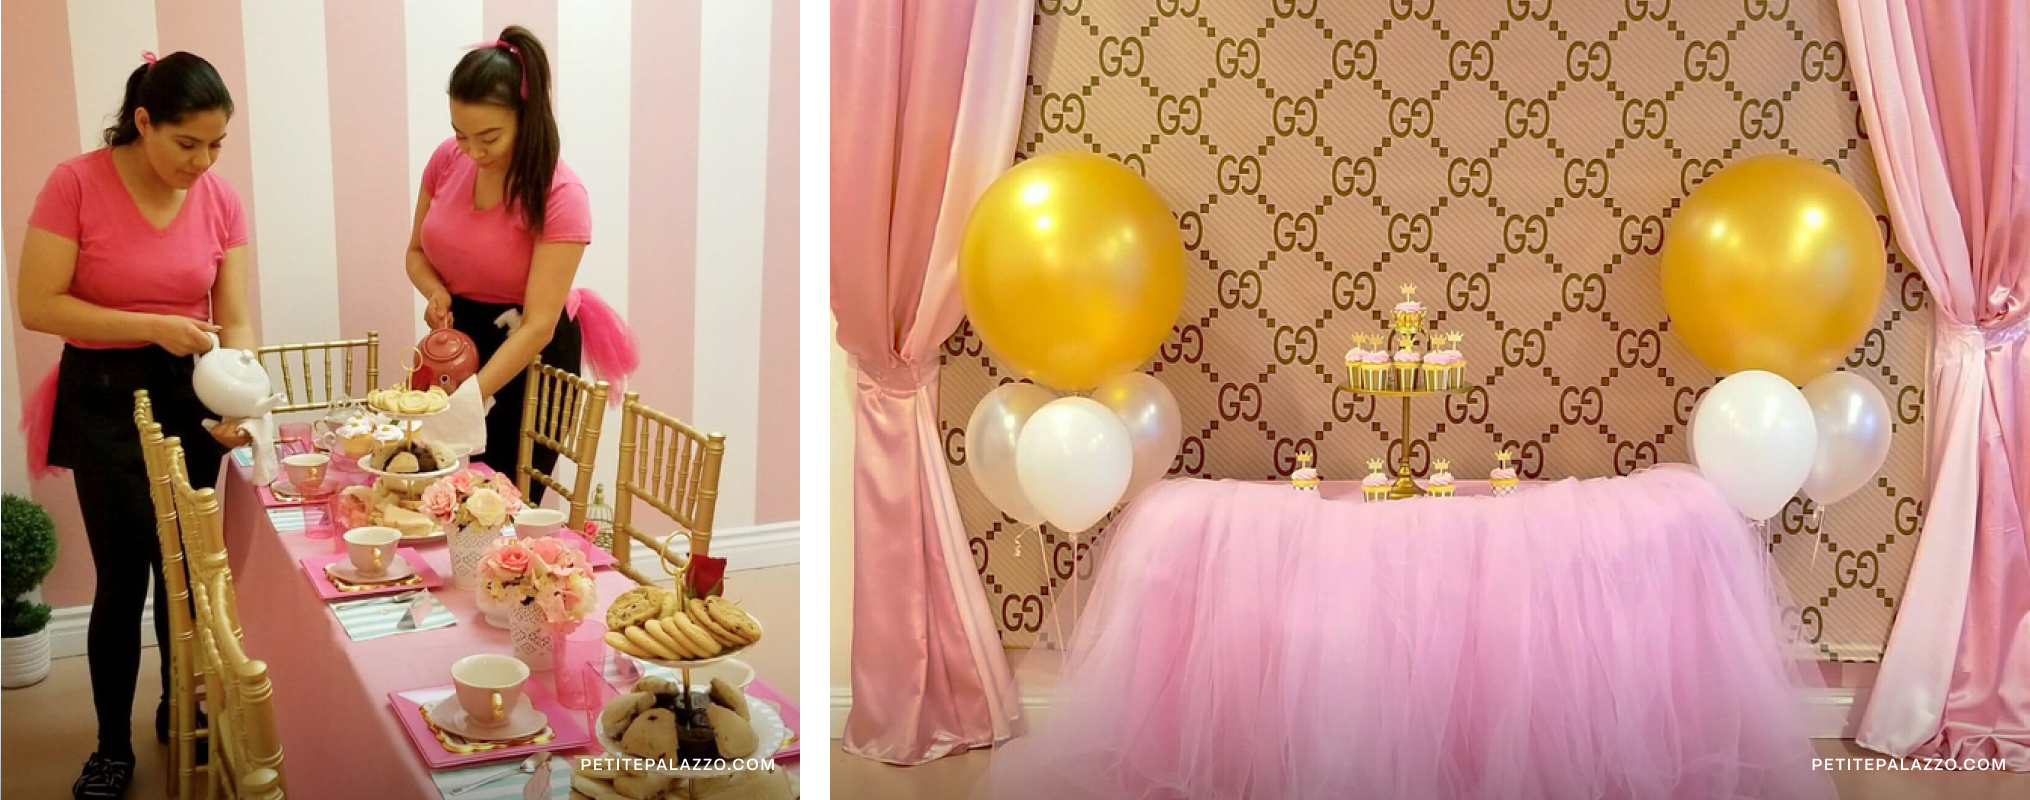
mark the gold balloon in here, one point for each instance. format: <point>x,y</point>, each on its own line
<point>1072,269</point>
<point>1773,263</point>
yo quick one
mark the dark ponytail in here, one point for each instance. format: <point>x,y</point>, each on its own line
<point>518,79</point>
<point>177,84</point>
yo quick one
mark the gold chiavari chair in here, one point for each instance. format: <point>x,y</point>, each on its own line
<point>675,470</point>
<point>246,748</point>
<point>562,412</point>
<point>336,360</point>
<point>184,669</point>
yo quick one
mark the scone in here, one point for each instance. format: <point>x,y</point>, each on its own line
<point>653,735</point>
<point>620,713</point>
<point>735,737</point>
<point>731,697</point>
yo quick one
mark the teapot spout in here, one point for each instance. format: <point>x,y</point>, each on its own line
<point>269,404</point>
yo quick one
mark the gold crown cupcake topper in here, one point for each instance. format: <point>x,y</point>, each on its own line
<point>1303,459</point>
<point>1441,465</point>
<point>1374,464</point>
<point>1453,338</point>
<point>1504,455</point>
<point>1409,290</point>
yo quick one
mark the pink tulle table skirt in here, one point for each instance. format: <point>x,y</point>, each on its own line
<point>1585,639</point>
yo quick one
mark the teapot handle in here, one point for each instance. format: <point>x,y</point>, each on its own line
<point>214,340</point>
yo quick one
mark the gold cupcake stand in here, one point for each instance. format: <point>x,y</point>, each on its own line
<point>1406,481</point>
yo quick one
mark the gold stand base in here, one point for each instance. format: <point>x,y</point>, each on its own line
<point>1405,486</point>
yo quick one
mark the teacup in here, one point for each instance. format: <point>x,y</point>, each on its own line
<point>371,549</point>
<point>306,471</point>
<point>489,687</point>
<point>537,522</point>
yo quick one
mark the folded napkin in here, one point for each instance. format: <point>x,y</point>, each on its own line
<point>463,424</point>
<point>513,787</point>
<point>376,617</point>
<point>262,458</point>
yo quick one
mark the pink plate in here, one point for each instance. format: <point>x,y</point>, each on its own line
<point>569,727</point>
<point>313,568</point>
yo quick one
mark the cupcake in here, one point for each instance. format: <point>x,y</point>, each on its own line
<point>1304,478</point>
<point>1374,371</point>
<point>1503,477</point>
<point>1441,484</point>
<point>1354,358</point>
<point>356,436</point>
<point>1375,487</point>
<point>1408,363</point>
<point>1441,371</point>
<point>1409,314</point>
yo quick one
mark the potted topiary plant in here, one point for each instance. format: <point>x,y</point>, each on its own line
<point>27,551</point>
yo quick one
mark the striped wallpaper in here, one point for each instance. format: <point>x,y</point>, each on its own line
<point>679,116</point>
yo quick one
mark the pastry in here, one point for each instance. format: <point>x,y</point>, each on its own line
<point>664,636</point>
<point>653,735</point>
<point>736,738</point>
<point>593,788</point>
<point>404,464</point>
<point>619,641</point>
<point>656,686</point>
<point>673,605</point>
<point>622,711</point>
<point>731,697</point>
<point>718,632</point>
<point>640,638</point>
<point>634,607</point>
<point>736,621</point>
<point>642,786</point>
<point>690,634</point>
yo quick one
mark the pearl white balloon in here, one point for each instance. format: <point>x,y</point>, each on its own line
<point>1074,460</point>
<point>1853,425</point>
<point>991,436</point>
<point>1755,440</point>
<point>1155,424</point>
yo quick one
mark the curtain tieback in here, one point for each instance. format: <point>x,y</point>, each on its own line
<point>1990,337</point>
<point>899,377</point>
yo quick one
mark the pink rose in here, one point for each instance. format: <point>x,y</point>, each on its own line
<point>510,559</point>
<point>547,548</point>
<point>555,610</point>
<point>573,560</point>
<point>462,482</point>
<point>440,501</point>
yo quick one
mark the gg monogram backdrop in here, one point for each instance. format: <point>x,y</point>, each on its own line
<point>1519,162</point>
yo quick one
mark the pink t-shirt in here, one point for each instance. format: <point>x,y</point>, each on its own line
<point>125,263</point>
<point>484,255</point>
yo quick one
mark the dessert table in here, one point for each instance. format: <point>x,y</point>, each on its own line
<point>1613,638</point>
<point>340,737</point>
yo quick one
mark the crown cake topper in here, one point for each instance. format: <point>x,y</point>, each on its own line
<point>1303,459</point>
<point>1504,455</point>
<point>1454,337</point>
<point>1374,464</point>
<point>1409,290</point>
<point>1441,465</point>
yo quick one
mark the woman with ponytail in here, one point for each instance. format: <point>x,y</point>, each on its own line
<point>136,255</point>
<point>500,226</point>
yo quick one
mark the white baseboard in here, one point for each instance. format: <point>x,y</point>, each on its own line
<point>755,547</point>
<point>1833,713</point>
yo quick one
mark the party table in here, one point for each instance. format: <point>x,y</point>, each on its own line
<point>340,737</point>
<point>1613,638</point>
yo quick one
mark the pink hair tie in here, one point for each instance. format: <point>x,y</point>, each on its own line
<point>148,56</point>
<point>512,51</point>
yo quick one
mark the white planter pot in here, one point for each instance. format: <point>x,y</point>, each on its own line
<point>533,644</point>
<point>24,660</point>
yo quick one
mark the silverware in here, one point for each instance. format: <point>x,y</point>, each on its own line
<point>527,767</point>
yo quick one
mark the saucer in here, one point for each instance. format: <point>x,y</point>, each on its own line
<point>524,721</point>
<point>345,571</point>
<point>283,489</point>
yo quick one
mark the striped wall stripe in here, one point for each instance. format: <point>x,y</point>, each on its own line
<point>340,106</point>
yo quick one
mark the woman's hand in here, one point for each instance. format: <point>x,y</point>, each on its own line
<point>231,435</point>
<point>183,336</point>
<point>438,313</point>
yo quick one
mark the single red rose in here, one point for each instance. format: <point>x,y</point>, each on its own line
<point>706,576</point>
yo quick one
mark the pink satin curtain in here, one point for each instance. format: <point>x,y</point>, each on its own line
<point>1945,89</point>
<point>926,105</point>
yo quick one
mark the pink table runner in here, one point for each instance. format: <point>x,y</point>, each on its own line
<point>340,739</point>
<point>1602,639</point>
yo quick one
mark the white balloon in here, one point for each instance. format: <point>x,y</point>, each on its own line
<point>1853,426</point>
<point>990,446</point>
<point>1756,441</point>
<point>1692,429</point>
<point>1155,425</point>
<point>1074,460</point>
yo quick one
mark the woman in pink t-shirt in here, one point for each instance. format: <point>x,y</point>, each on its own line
<point>500,226</point>
<point>135,254</point>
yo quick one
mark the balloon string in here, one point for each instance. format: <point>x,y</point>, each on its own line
<point>1818,521</point>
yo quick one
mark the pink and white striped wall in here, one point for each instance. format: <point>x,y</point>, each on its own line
<point>680,116</point>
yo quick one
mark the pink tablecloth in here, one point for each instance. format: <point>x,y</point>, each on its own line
<point>1598,639</point>
<point>340,739</point>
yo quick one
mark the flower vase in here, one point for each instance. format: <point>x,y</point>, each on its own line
<point>468,548</point>
<point>533,643</point>
<point>499,614</point>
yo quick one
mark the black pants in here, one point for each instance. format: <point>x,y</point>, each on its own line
<point>504,422</point>
<point>94,436</point>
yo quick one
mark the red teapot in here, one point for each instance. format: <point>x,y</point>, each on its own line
<point>445,358</point>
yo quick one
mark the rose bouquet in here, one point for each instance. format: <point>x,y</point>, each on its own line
<point>547,573</point>
<point>467,498</point>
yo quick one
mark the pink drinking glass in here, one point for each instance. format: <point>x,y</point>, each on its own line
<point>575,677</point>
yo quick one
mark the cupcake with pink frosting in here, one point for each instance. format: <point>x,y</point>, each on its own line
<point>1304,478</point>
<point>1408,363</point>
<point>1441,484</point>
<point>1354,358</point>
<point>1375,487</point>
<point>1374,370</point>
<point>1409,314</point>
<point>1504,477</point>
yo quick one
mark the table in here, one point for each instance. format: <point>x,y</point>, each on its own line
<point>339,737</point>
<point>1612,638</point>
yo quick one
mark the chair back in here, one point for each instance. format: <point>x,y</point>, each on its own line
<point>672,468</point>
<point>302,364</point>
<point>247,744</point>
<point>563,412</point>
<point>181,649</point>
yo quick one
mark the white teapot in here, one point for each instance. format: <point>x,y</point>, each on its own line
<point>233,384</point>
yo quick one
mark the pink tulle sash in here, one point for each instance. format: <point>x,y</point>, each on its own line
<point>1599,639</point>
<point>609,344</point>
<point>38,417</point>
